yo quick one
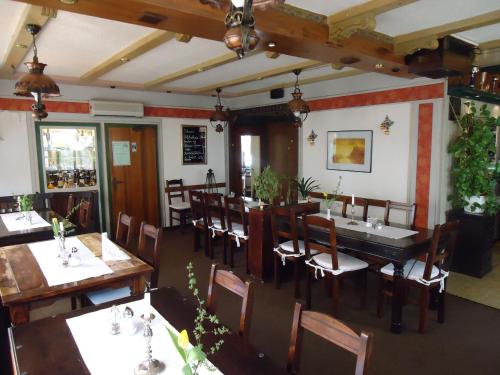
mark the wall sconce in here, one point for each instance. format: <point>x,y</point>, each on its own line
<point>312,138</point>
<point>386,124</point>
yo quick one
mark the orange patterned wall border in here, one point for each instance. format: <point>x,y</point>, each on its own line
<point>408,94</point>
<point>423,163</point>
<point>10,104</point>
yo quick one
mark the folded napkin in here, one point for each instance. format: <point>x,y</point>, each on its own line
<point>110,251</point>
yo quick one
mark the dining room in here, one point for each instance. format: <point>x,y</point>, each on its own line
<point>249,187</point>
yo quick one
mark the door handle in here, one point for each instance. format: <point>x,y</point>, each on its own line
<point>116,182</point>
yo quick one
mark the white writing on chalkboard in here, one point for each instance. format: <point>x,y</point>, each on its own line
<point>194,145</point>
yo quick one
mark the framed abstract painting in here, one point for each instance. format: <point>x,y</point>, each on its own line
<point>350,150</point>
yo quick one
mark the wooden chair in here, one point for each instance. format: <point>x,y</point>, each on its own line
<point>410,209</point>
<point>329,262</point>
<point>197,203</point>
<point>150,239</point>
<point>331,330</point>
<point>233,283</point>
<point>237,227</point>
<point>84,216</point>
<point>216,223</point>
<point>41,201</point>
<point>284,226</point>
<point>425,276</point>
<point>124,230</point>
<point>360,202</point>
<point>181,208</point>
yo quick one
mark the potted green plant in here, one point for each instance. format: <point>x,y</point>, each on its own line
<point>474,173</point>
<point>267,186</point>
<point>306,187</point>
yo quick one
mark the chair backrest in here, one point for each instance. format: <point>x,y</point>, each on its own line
<point>409,208</point>
<point>84,214</point>
<point>69,205</point>
<point>307,208</point>
<point>124,229</point>
<point>235,213</point>
<point>233,283</point>
<point>284,225</point>
<point>331,330</point>
<point>197,203</point>
<point>148,250</point>
<point>320,223</point>
<point>358,201</point>
<point>442,246</point>
<point>42,201</point>
<point>214,209</point>
<point>175,194</point>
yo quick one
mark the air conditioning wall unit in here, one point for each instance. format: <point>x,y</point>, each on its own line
<point>118,109</point>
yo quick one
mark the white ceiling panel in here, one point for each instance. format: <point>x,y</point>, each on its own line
<point>482,34</point>
<point>285,78</point>
<point>168,58</point>
<point>72,43</point>
<point>326,7</point>
<point>424,14</point>
<point>247,66</point>
<point>11,12</point>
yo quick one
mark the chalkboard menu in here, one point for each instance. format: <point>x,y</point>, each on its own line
<point>194,144</point>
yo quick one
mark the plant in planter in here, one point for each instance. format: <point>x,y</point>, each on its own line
<point>473,172</point>
<point>306,187</point>
<point>267,185</point>
<point>330,198</point>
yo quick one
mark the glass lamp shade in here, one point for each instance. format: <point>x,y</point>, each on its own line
<point>36,82</point>
<point>298,107</point>
<point>233,39</point>
<point>219,119</point>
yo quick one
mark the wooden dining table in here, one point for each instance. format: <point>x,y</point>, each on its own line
<point>390,250</point>
<point>23,283</point>
<point>30,234</point>
<point>47,346</point>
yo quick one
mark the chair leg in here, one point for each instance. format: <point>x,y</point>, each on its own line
<point>171,217</point>
<point>231,252</point>
<point>182,219</point>
<point>196,239</point>
<point>308,287</point>
<point>206,242</point>
<point>335,296</point>
<point>441,305</point>
<point>381,297</point>
<point>73,303</point>
<point>296,277</point>
<point>210,247</point>
<point>363,285</point>
<point>424,306</point>
<point>246,257</point>
<point>224,255</point>
<point>277,270</point>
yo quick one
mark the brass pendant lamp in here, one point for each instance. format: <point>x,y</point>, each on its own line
<point>298,106</point>
<point>35,83</point>
<point>219,118</point>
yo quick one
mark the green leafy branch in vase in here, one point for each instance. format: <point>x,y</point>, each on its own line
<point>68,227</point>
<point>193,355</point>
<point>330,198</point>
<point>25,203</point>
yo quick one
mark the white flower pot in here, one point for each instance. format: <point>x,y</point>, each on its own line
<point>475,199</point>
<point>328,214</point>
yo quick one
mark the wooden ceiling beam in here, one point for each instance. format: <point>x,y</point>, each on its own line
<point>427,38</point>
<point>184,38</point>
<point>195,69</point>
<point>492,44</point>
<point>261,75</point>
<point>293,35</point>
<point>22,40</point>
<point>328,77</point>
<point>139,47</point>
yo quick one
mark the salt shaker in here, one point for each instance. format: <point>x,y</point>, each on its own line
<point>114,316</point>
<point>129,326</point>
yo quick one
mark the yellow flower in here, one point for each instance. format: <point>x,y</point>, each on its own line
<point>325,194</point>
<point>183,339</point>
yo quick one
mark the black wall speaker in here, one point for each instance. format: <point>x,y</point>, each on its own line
<point>277,93</point>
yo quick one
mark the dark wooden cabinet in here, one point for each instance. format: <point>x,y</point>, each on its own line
<point>476,236</point>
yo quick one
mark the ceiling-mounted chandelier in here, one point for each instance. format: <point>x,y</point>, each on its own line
<point>35,83</point>
<point>298,106</point>
<point>219,118</point>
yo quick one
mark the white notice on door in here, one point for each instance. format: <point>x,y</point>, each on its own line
<point>121,153</point>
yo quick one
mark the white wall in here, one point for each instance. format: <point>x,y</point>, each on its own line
<point>391,174</point>
<point>15,160</point>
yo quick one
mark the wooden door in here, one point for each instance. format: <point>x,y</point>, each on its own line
<point>133,173</point>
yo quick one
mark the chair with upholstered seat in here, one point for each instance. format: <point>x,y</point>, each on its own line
<point>425,276</point>
<point>216,222</point>
<point>237,227</point>
<point>328,262</point>
<point>84,216</point>
<point>233,283</point>
<point>124,230</point>
<point>358,202</point>
<point>409,208</point>
<point>177,202</point>
<point>199,219</point>
<point>150,239</point>
<point>331,330</point>
<point>284,226</point>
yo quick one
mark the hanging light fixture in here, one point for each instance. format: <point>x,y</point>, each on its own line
<point>35,83</point>
<point>219,119</point>
<point>298,107</point>
<point>240,36</point>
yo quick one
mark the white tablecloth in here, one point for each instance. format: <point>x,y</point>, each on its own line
<point>46,254</point>
<point>15,221</point>
<point>386,231</point>
<point>108,354</point>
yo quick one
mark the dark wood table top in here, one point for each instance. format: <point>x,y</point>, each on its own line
<point>22,280</point>
<point>47,346</point>
<point>28,235</point>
